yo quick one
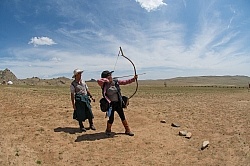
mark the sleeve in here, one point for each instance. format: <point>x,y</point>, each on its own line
<point>86,86</point>
<point>125,82</point>
<point>102,81</point>
<point>104,92</point>
<point>72,89</point>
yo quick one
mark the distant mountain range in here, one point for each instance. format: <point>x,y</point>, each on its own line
<point>240,81</point>
<point>237,81</point>
<point>6,75</point>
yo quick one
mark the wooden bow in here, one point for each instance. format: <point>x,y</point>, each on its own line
<point>134,71</point>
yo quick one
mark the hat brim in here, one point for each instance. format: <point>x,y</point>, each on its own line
<point>77,73</point>
<point>106,73</point>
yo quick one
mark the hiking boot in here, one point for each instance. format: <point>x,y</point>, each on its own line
<point>108,129</point>
<point>129,133</point>
<point>127,129</point>
<point>92,127</point>
<point>108,133</point>
<point>91,124</point>
<point>82,129</point>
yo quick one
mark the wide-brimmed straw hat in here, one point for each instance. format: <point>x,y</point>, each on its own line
<point>76,71</point>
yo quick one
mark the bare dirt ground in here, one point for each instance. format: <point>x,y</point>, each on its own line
<point>37,128</point>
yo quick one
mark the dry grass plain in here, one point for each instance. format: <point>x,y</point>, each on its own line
<point>37,127</point>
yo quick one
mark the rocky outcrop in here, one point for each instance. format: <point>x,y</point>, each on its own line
<point>6,76</point>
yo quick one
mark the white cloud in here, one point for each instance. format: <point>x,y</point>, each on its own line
<point>41,41</point>
<point>151,4</point>
<point>55,59</point>
<point>161,44</point>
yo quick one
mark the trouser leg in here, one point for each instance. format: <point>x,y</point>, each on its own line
<point>81,126</point>
<point>91,124</point>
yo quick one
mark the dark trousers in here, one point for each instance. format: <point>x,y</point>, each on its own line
<point>116,106</point>
<point>81,124</point>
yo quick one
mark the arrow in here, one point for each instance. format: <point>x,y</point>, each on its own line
<point>127,76</point>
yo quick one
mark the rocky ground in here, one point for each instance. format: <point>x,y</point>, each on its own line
<point>37,128</point>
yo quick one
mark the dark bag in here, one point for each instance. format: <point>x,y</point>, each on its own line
<point>125,101</point>
<point>104,104</point>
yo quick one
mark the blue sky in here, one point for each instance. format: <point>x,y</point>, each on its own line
<point>164,38</point>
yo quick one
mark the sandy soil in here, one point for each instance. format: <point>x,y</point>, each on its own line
<point>37,128</point>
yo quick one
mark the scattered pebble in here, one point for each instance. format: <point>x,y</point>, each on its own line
<point>182,133</point>
<point>188,135</point>
<point>163,121</point>
<point>204,145</point>
<point>175,125</point>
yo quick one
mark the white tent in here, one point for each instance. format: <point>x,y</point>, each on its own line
<point>9,82</point>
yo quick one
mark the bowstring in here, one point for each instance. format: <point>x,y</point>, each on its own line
<point>116,59</point>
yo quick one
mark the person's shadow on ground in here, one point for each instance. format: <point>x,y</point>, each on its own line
<point>85,137</point>
<point>94,136</point>
<point>70,130</point>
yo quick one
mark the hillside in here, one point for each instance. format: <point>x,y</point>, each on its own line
<point>6,75</point>
<point>238,81</point>
<point>219,81</point>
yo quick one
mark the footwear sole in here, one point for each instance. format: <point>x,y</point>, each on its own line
<point>82,130</point>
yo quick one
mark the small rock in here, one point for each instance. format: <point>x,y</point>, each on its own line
<point>175,125</point>
<point>182,133</point>
<point>163,121</point>
<point>188,135</point>
<point>204,145</point>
